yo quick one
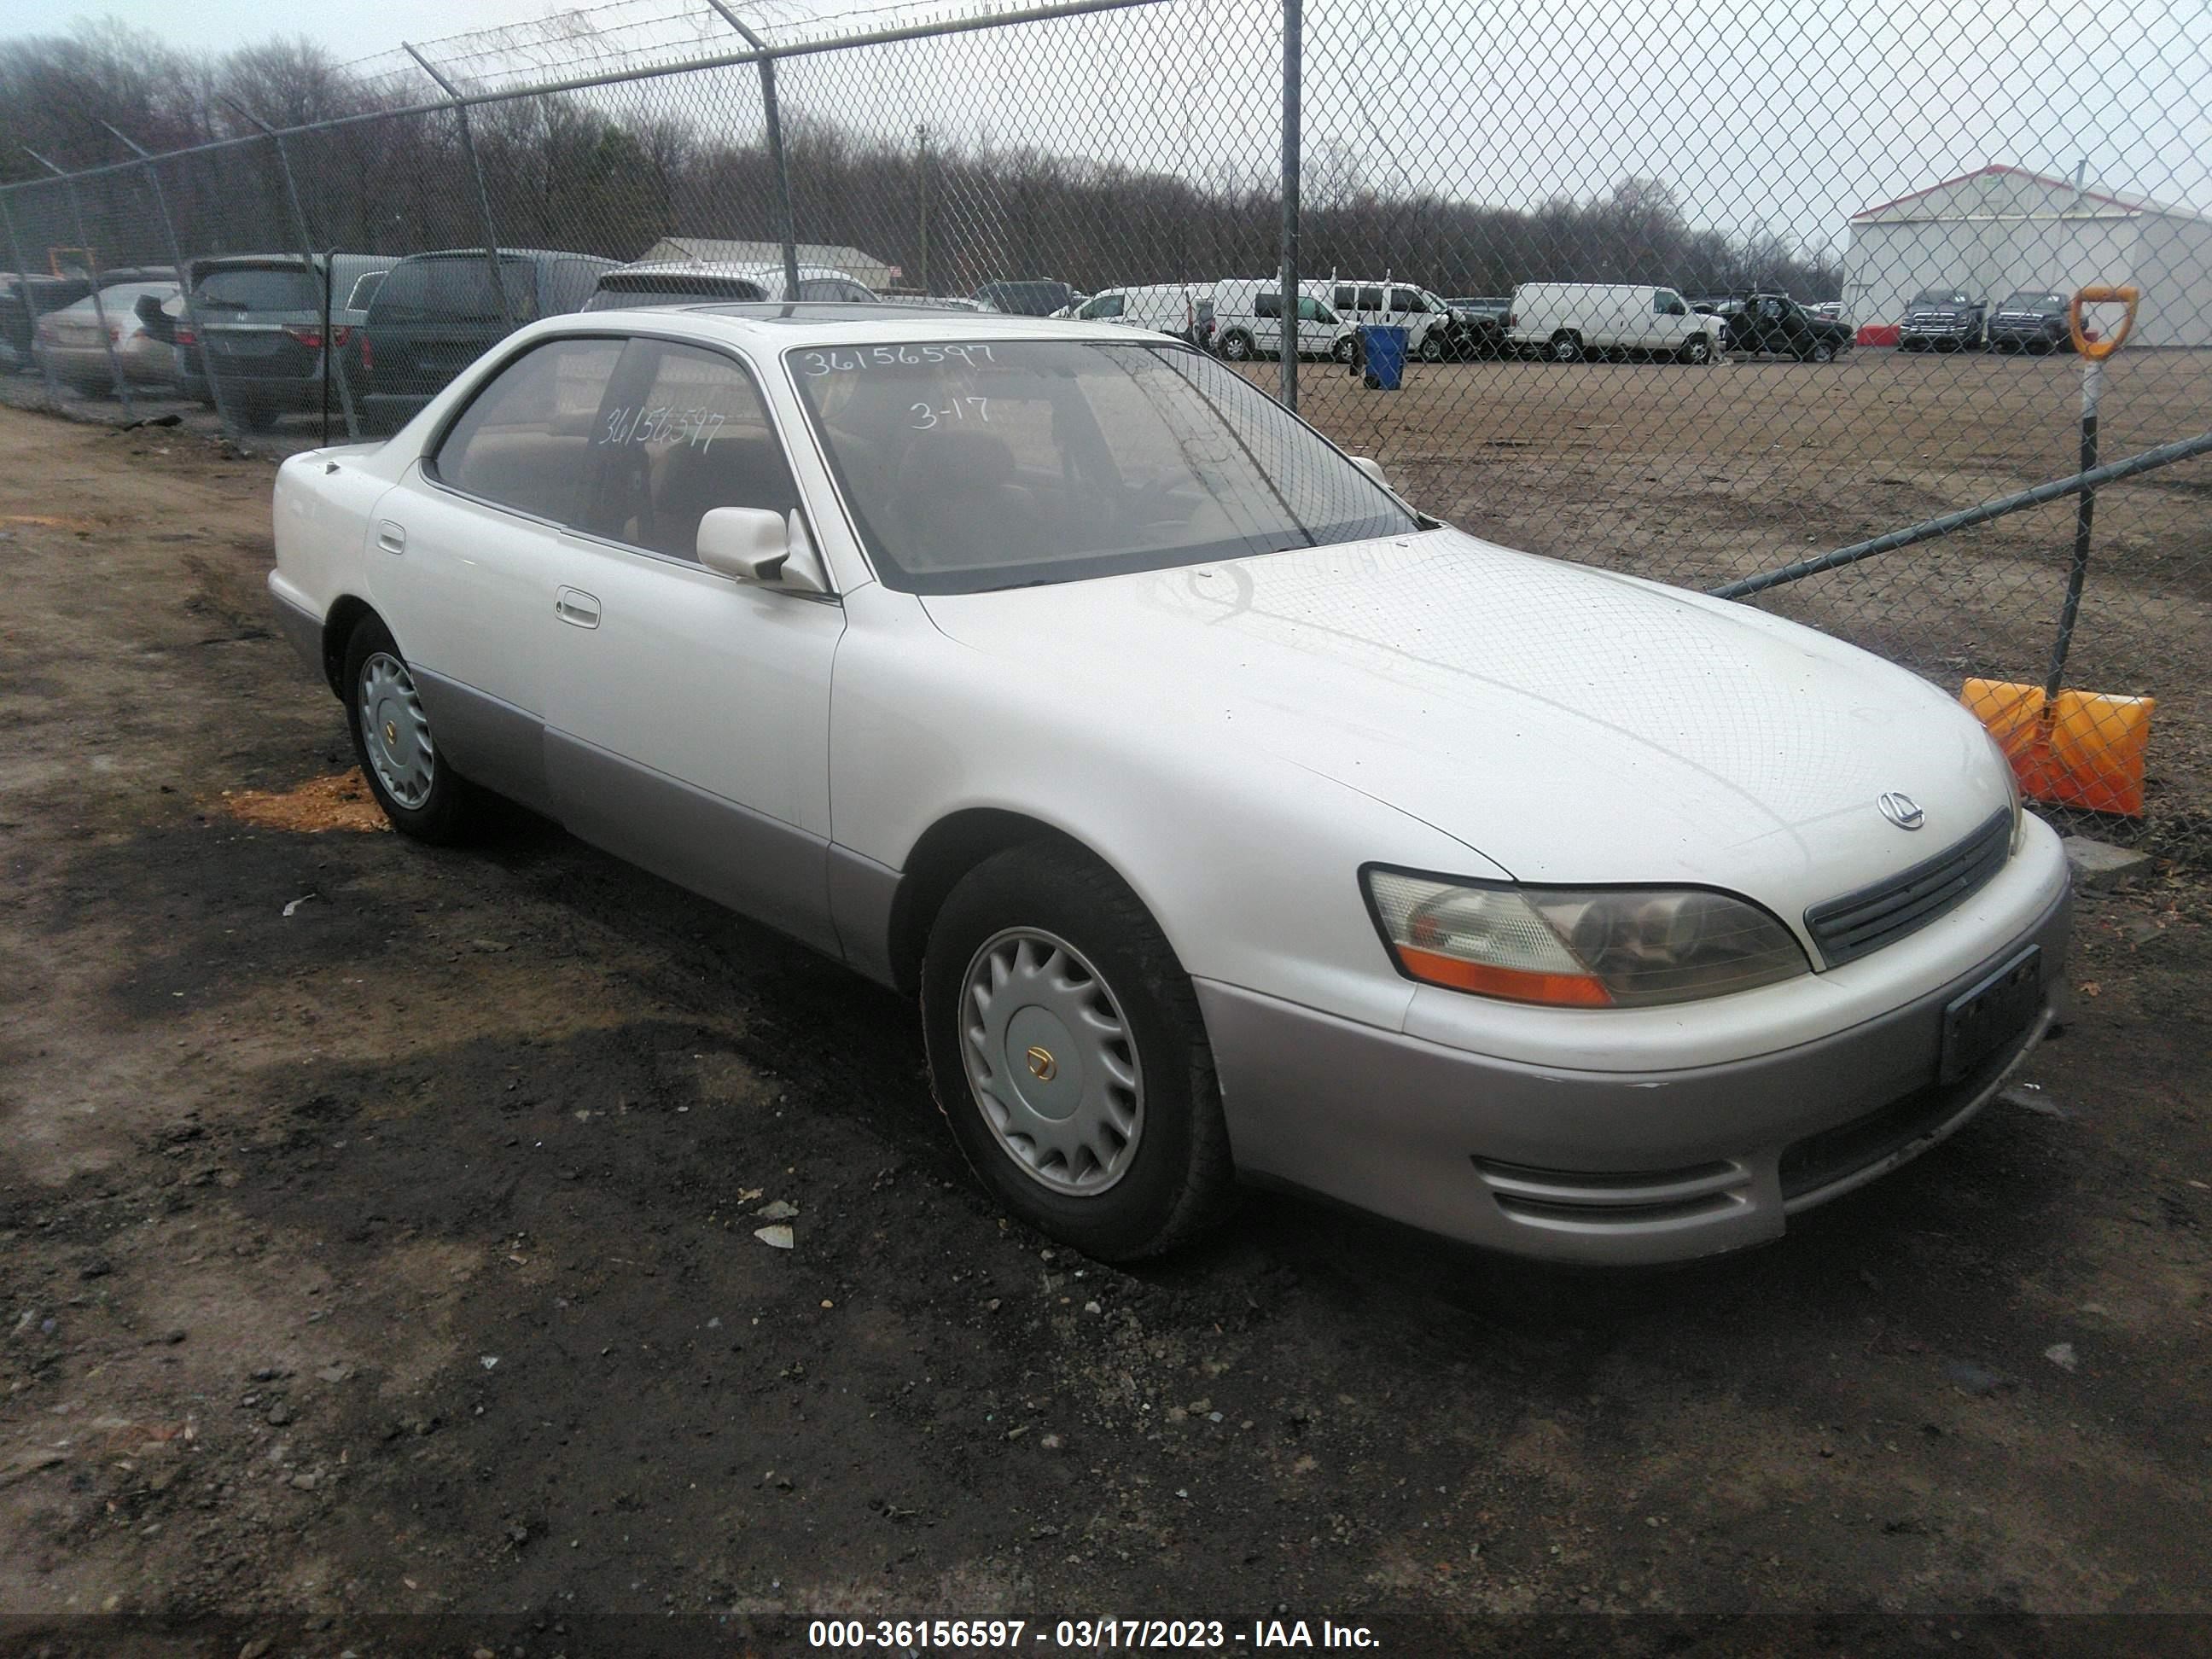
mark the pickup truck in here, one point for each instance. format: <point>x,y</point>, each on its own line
<point>1776,322</point>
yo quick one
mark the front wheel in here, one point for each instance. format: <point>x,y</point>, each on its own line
<point>1432,349</point>
<point>1067,1053</point>
<point>1697,349</point>
<point>1345,350</point>
<point>1823,351</point>
<point>420,792</point>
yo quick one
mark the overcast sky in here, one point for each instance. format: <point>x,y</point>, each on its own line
<point>1759,116</point>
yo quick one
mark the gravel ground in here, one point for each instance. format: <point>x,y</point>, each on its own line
<point>378,1241</point>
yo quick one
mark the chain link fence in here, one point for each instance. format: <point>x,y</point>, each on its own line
<point>1689,293</point>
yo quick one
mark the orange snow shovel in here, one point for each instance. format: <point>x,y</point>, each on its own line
<point>2074,747</point>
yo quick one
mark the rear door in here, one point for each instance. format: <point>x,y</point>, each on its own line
<point>687,715</point>
<point>465,550</point>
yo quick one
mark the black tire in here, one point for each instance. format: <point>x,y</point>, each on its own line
<point>1823,351</point>
<point>1565,348</point>
<point>1345,350</point>
<point>1698,349</point>
<point>1432,347</point>
<point>1180,1178</point>
<point>452,811</point>
<point>1237,346</point>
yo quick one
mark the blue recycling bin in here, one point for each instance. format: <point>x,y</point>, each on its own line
<point>1384,349</point>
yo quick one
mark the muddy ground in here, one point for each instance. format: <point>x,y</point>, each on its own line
<point>377,1237</point>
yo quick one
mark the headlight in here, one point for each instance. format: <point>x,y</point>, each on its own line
<point>1579,947</point>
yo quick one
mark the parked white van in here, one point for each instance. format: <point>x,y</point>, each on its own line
<point>1182,309</point>
<point>1248,321</point>
<point>1568,322</point>
<point>1432,330</point>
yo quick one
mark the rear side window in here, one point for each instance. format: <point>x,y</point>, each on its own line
<point>526,442</point>
<point>249,288</point>
<point>454,289</point>
<point>1268,305</point>
<point>1370,299</point>
<point>685,431</point>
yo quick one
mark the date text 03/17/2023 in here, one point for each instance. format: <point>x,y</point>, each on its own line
<point>1086,1635</point>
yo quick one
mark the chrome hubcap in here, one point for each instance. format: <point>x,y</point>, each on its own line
<point>395,730</point>
<point>1051,1062</point>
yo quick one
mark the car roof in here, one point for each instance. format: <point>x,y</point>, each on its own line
<point>779,326</point>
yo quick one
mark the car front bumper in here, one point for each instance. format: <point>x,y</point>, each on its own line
<point>1610,1167</point>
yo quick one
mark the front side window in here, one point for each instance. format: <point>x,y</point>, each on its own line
<point>970,466</point>
<point>525,442</point>
<point>1405,299</point>
<point>1106,305</point>
<point>682,431</point>
<point>1268,305</point>
<point>1311,310</point>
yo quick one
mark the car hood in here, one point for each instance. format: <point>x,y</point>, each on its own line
<point>1570,723</point>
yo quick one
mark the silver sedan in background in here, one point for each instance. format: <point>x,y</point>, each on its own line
<point>69,343</point>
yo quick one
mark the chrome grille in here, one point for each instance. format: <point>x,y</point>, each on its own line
<point>1850,927</point>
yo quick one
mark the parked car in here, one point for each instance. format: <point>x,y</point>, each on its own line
<point>85,344</point>
<point>1482,325</point>
<point>1224,814</point>
<point>1037,298</point>
<point>21,306</point>
<point>1569,322</point>
<point>258,318</point>
<point>2032,319</point>
<point>1433,331</point>
<point>1777,324</point>
<point>1184,310</point>
<point>675,284</point>
<point>1943,319</point>
<point>435,313</point>
<point>1248,321</point>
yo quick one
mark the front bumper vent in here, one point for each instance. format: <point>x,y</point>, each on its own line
<point>1858,923</point>
<point>1585,1199</point>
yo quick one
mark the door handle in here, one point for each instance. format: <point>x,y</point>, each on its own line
<point>577,608</point>
<point>391,538</point>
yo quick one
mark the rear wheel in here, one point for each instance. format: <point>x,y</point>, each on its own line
<point>1069,1056</point>
<point>1237,346</point>
<point>1565,348</point>
<point>420,792</point>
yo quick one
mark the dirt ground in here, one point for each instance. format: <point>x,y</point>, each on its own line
<point>378,1241</point>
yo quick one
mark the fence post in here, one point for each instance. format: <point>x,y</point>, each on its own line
<point>92,270</point>
<point>329,351</point>
<point>1293,73</point>
<point>788,226</point>
<point>184,283</point>
<point>484,195</point>
<point>30,305</point>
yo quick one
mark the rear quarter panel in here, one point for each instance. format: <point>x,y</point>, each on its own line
<point>322,511</point>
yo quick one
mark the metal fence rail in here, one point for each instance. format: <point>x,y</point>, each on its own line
<point>1459,172</point>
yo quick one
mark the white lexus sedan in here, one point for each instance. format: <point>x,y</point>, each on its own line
<point>1228,816</point>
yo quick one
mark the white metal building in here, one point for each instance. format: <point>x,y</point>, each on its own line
<point>861,267</point>
<point>2003,229</point>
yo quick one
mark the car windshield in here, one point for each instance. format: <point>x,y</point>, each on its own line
<point>260,288</point>
<point>1942,296</point>
<point>973,466</point>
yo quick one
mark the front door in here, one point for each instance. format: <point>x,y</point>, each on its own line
<point>687,720</point>
<point>462,547</point>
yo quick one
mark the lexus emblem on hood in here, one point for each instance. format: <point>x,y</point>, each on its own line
<point>1901,809</point>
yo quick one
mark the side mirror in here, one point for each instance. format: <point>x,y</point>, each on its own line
<point>1373,468</point>
<point>745,544</point>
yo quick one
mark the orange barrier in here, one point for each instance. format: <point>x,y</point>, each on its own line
<point>1879,334</point>
<point>2085,749</point>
